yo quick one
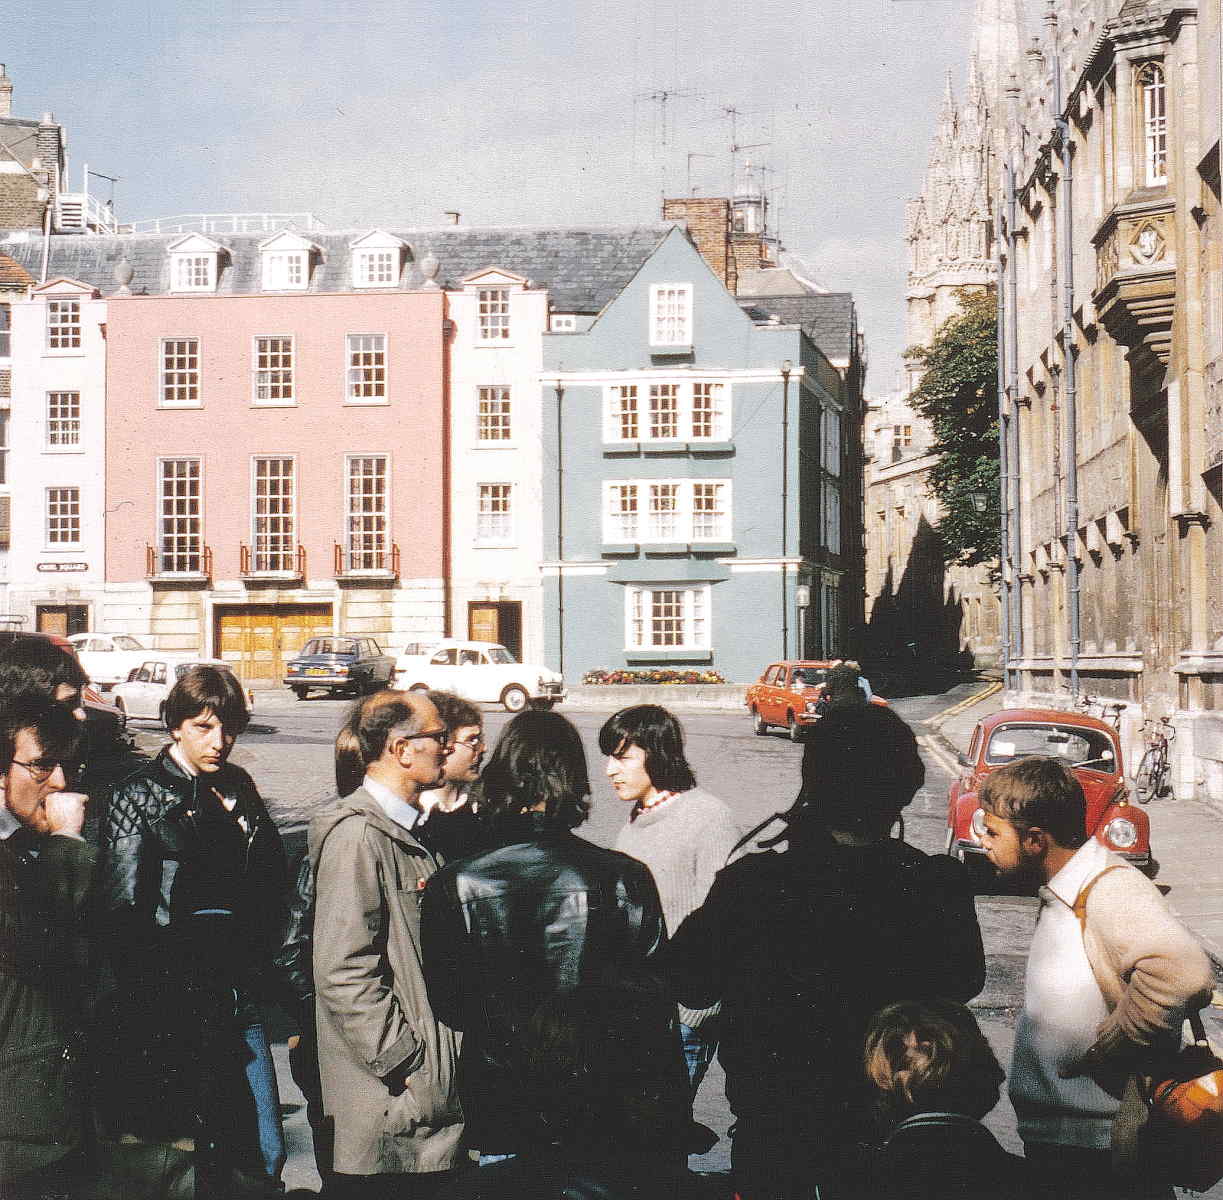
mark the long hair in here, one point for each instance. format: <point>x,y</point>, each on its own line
<point>660,736</point>
<point>202,689</point>
<point>539,759</point>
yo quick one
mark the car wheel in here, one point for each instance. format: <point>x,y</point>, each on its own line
<point>120,706</point>
<point>514,699</point>
<point>793,728</point>
<point>759,724</point>
<point>301,692</point>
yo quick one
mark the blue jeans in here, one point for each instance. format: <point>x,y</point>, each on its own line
<point>698,1054</point>
<point>261,1077</point>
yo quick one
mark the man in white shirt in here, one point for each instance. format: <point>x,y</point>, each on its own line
<point>1110,974</point>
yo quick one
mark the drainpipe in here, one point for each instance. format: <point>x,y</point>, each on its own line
<point>560,529</point>
<point>1062,128</point>
<point>1003,474</point>
<point>1012,332</point>
<point>786,368</point>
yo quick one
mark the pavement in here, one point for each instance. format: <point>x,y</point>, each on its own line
<point>1185,834</point>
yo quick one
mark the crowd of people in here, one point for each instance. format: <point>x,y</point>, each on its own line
<point>488,1005</point>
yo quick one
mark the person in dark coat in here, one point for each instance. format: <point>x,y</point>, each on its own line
<point>538,913</point>
<point>190,899</point>
<point>804,946</point>
<point>452,826</point>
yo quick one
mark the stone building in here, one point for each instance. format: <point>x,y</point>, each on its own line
<point>1109,118</point>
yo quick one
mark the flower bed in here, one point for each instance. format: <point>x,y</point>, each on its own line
<point>662,675</point>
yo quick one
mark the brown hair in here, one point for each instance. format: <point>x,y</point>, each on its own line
<point>1039,792</point>
<point>362,737</point>
<point>202,689</point>
<point>930,1056</point>
<point>454,711</point>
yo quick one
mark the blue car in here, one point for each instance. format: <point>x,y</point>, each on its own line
<point>343,663</point>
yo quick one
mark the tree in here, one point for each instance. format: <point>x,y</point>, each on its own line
<point>958,395</point>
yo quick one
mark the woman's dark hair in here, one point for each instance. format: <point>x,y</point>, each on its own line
<point>454,711</point>
<point>861,767</point>
<point>930,1056</point>
<point>660,736</point>
<point>60,735</point>
<point>539,757</point>
<point>208,688</point>
<point>33,667</point>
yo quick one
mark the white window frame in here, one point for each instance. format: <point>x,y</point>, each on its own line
<point>717,391</point>
<point>696,617</point>
<point>367,524</point>
<point>616,412</point>
<point>671,314</point>
<point>278,268</point>
<point>493,315</point>
<point>62,519</point>
<point>490,394</point>
<point>643,529</point>
<point>563,323</point>
<point>165,531</point>
<point>186,274</point>
<point>640,393</point>
<point>486,533</point>
<point>63,336</point>
<point>1153,91</point>
<point>5,421</point>
<point>179,378</point>
<point>376,266</point>
<point>381,396</point>
<point>265,377</point>
<point>6,330</point>
<point>63,414</point>
<point>273,550</point>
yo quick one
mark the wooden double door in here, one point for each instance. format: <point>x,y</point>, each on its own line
<point>496,621</point>
<point>258,639</point>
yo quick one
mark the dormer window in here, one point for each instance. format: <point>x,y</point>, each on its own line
<point>194,264</point>
<point>285,261</point>
<point>377,260</point>
<point>492,290</point>
<point>671,314</point>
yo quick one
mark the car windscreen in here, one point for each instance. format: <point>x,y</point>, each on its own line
<point>1073,745</point>
<point>499,654</point>
<point>810,677</point>
<point>329,646</point>
<point>123,642</point>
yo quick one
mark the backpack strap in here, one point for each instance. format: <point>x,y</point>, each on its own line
<point>1080,901</point>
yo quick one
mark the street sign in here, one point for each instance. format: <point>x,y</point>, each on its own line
<point>56,567</point>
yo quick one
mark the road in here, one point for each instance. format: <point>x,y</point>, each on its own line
<point>288,750</point>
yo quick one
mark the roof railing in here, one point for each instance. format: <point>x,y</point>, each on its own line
<point>256,222</point>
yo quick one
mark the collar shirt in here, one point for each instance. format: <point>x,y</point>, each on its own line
<point>396,807</point>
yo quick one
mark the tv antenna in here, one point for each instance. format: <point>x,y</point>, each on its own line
<point>661,96</point>
<point>734,114</point>
<point>691,155</point>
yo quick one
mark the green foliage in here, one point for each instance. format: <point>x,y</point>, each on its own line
<point>958,394</point>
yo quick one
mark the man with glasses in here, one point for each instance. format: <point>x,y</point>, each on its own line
<point>45,873</point>
<point>387,1063</point>
<point>450,826</point>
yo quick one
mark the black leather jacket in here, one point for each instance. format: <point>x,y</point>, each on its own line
<point>171,851</point>
<point>502,930</point>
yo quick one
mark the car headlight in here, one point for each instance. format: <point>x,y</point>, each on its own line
<point>341,670</point>
<point>1121,833</point>
<point>977,825</point>
<point>812,706</point>
<point>293,668</point>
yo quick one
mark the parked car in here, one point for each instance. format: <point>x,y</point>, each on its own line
<point>1090,747</point>
<point>143,694</point>
<point>787,694</point>
<point>347,663</point>
<point>485,672</point>
<point>109,658</point>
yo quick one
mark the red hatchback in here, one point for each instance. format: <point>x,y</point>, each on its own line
<point>1091,748</point>
<point>787,694</point>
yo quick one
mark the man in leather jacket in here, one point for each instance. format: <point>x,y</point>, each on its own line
<point>190,898</point>
<point>538,913</point>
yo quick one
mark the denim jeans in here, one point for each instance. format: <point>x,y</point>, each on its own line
<point>698,1054</point>
<point>261,1076</point>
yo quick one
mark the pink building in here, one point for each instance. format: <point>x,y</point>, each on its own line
<point>275,467</point>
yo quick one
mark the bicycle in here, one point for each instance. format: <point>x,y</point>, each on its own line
<point>1152,775</point>
<point>1087,703</point>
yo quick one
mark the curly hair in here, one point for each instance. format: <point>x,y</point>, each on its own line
<point>538,761</point>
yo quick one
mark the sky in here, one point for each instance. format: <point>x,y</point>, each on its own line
<point>541,112</point>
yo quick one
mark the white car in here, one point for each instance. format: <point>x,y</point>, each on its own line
<point>481,671</point>
<point>144,694</point>
<point>108,658</point>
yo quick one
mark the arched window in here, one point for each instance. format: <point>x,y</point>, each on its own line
<point>1154,123</point>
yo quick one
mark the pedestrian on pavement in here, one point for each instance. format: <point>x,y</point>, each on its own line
<point>600,1074</point>
<point>451,826</point>
<point>387,1062</point>
<point>680,831</point>
<point>46,870</point>
<point>804,946</point>
<point>536,914</point>
<point>1111,977</point>
<point>934,1078</point>
<point>190,900</point>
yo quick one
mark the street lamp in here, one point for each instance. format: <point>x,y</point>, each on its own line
<point>786,367</point>
<point>980,501</point>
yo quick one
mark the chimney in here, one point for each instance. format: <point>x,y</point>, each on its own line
<point>6,93</point>
<point>707,219</point>
<point>452,217</point>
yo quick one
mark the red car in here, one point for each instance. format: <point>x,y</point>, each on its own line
<point>786,694</point>
<point>1090,747</point>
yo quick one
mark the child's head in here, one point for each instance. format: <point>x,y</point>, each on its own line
<point>930,1056</point>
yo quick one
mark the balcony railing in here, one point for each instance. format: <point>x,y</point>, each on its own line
<point>278,564</point>
<point>187,565</point>
<point>366,564</point>
<point>80,212</point>
<point>267,222</point>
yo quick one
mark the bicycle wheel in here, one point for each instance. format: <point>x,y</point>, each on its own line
<point>1149,779</point>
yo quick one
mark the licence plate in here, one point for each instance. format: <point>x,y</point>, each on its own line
<point>317,671</point>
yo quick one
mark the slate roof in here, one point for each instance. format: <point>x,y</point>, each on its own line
<point>583,267</point>
<point>828,318</point>
<point>13,274</point>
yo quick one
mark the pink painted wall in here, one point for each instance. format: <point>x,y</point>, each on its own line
<point>228,431</point>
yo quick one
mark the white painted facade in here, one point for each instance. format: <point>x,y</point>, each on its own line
<point>493,558</point>
<point>56,457</point>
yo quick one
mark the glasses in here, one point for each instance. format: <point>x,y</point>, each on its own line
<point>40,769</point>
<point>440,736</point>
<point>473,744</point>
